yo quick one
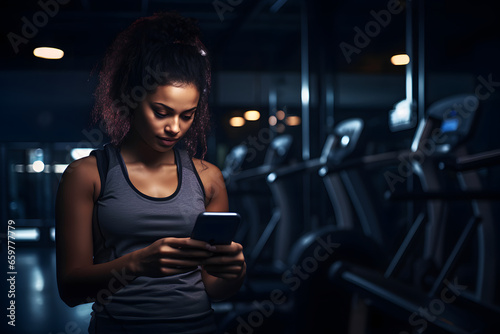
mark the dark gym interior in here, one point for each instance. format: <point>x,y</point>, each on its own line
<point>368,189</point>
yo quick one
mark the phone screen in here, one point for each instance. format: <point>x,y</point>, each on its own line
<point>216,228</point>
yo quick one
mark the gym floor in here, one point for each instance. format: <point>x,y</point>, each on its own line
<point>38,308</point>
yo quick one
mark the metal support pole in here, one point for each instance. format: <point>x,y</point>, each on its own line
<point>409,52</point>
<point>305,98</point>
<point>415,49</point>
<point>273,105</point>
<point>305,94</point>
<point>421,58</point>
<point>415,70</point>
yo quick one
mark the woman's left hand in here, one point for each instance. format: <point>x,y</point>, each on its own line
<point>227,261</point>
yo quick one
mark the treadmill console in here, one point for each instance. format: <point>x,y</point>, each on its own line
<point>453,118</point>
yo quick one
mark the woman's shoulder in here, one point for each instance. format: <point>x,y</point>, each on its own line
<point>206,168</point>
<point>82,175</point>
<point>85,166</point>
<point>210,175</point>
<point>214,184</point>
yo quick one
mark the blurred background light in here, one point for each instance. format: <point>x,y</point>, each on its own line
<point>48,53</point>
<point>280,114</point>
<point>38,166</point>
<point>402,116</point>
<point>293,120</point>
<point>402,59</point>
<point>78,153</point>
<point>27,234</point>
<point>237,121</point>
<point>251,115</point>
<point>305,94</point>
<point>345,140</point>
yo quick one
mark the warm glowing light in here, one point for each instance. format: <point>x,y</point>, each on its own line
<point>237,121</point>
<point>252,115</point>
<point>273,120</point>
<point>402,59</point>
<point>48,53</point>
<point>280,128</point>
<point>293,120</point>
<point>280,114</point>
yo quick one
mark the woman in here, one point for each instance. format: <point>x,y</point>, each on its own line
<point>124,214</point>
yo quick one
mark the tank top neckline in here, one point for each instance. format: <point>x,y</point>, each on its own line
<point>131,185</point>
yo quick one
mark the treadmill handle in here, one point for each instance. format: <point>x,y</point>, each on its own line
<point>474,161</point>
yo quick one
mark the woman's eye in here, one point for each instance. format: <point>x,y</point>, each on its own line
<point>187,117</point>
<point>159,113</point>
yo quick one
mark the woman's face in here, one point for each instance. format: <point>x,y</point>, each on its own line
<point>165,115</point>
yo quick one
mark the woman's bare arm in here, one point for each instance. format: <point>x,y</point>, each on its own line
<point>79,280</point>
<point>224,273</point>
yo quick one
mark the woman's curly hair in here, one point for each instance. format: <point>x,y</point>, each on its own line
<point>162,49</point>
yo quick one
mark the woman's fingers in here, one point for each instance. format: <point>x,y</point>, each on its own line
<point>184,253</point>
<point>227,262</point>
<point>233,248</point>
<point>184,248</point>
<point>224,260</point>
<point>223,269</point>
<point>179,263</point>
<point>170,256</point>
<point>227,272</point>
<point>186,243</point>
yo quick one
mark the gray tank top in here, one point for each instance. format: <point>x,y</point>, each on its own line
<point>126,220</point>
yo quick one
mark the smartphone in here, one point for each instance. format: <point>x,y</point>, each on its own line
<point>216,228</point>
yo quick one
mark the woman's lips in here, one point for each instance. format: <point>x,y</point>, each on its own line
<point>167,141</point>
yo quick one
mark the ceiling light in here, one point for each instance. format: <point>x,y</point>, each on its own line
<point>280,114</point>
<point>252,115</point>
<point>293,120</point>
<point>402,59</point>
<point>237,121</point>
<point>48,53</point>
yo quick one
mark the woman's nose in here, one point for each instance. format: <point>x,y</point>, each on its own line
<point>173,126</point>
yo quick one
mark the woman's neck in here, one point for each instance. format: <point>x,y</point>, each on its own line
<point>135,150</point>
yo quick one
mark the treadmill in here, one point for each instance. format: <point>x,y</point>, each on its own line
<point>453,260</point>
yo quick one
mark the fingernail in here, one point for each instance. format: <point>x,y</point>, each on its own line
<point>210,247</point>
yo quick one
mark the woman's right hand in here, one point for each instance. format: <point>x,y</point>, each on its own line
<point>169,256</point>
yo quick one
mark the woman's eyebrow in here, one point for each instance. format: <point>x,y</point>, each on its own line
<point>169,108</point>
